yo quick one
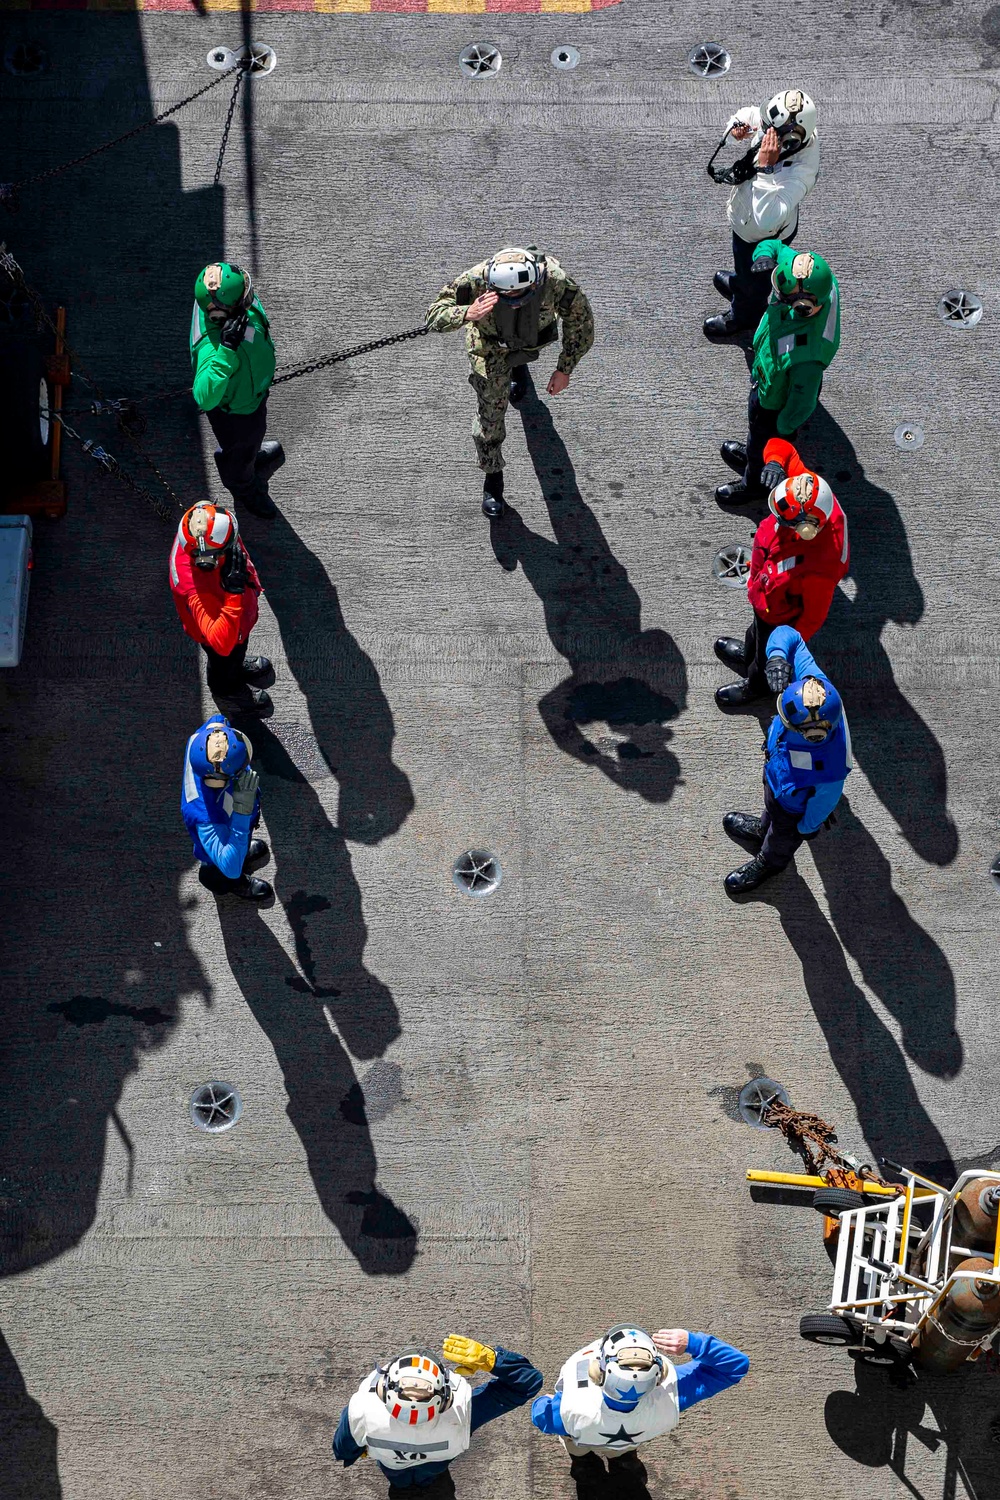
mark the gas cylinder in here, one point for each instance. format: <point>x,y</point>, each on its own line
<point>962,1319</point>
<point>974,1224</point>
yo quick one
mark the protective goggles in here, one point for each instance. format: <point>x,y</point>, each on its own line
<point>806,527</point>
<point>218,312</point>
<point>798,299</point>
<point>206,559</point>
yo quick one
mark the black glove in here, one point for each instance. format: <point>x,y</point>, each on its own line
<point>771,475</point>
<point>764,263</point>
<point>777,672</point>
<point>233,576</point>
<point>233,330</point>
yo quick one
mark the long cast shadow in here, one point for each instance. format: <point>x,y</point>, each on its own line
<point>630,679</point>
<point>350,716</point>
<point>28,1440</point>
<point>97,957</point>
<point>904,967</point>
<point>349,737</point>
<point>896,749</point>
<point>874,1423</point>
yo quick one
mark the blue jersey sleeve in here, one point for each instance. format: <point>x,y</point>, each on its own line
<point>546,1414</point>
<point>785,641</point>
<point>713,1368</point>
<point>227,853</point>
<point>344,1446</point>
<point>515,1380</point>
<point>820,805</point>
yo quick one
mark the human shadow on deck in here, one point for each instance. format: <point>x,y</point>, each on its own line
<point>28,1440</point>
<point>873,1424</point>
<point>895,748</point>
<point>630,679</point>
<point>350,739</point>
<point>902,965</point>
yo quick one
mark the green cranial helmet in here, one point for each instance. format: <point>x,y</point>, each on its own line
<point>223,289</point>
<point>802,279</point>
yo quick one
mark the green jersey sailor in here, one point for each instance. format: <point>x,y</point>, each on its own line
<point>795,341</point>
<point>232,360</point>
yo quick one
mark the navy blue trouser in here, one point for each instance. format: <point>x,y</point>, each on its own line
<point>755,649</point>
<point>225,673</point>
<point>239,439</point>
<point>762,425</point>
<point>781,832</point>
<point>751,289</point>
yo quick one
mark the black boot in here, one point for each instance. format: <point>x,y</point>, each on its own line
<point>270,457</point>
<point>744,827</point>
<point>519,384</point>
<point>258,502</point>
<point>738,492</point>
<point>732,654</point>
<point>749,876</point>
<point>723,283</point>
<point>722,327</point>
<point>738,694</point>
<point>493,495</point>
<point>250,701</point>
<point>258,854</point>
<point>735,455</point>
<point>247,887</point>
<point>256,666</point>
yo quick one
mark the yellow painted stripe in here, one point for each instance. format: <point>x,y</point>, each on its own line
<point>457,7</point>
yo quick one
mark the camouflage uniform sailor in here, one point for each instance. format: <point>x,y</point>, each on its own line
<point>511,307</point>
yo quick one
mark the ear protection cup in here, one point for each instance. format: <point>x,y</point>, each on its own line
<point>594,1371</point>
<point>380,1387</point>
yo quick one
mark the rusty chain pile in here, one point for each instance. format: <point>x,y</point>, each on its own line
<point>815,1141</point>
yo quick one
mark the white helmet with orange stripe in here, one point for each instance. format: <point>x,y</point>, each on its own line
<point>805,502</point>
<point>206,531</point>
<point>416,1388</point>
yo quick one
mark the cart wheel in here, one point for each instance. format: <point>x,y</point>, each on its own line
<point>883,1354</point>
<point>827,1328</point>
<point>25,425</point>
<point>834,1201</point>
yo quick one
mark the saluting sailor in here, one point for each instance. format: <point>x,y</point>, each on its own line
<point>623,1390</point>
<point>511,307</point>
<point>413,1416</point>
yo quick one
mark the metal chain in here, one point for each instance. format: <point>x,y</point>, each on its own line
<point>336,359</point>
<point>293,371</point>
<point>9,191</point>
<point>813,1139</point>
<point>240,75</point>
<point>128,422</point>
<point>111,466</point>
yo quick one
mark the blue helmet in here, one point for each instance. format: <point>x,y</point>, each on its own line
<point>811,709</point>
<point>238,752</point>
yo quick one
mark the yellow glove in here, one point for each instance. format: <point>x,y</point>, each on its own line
<point>466,1355</point>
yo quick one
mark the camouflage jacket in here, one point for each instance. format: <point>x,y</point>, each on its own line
<point>561,299</point>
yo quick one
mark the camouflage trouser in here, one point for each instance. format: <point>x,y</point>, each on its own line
<point>493,393</point>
